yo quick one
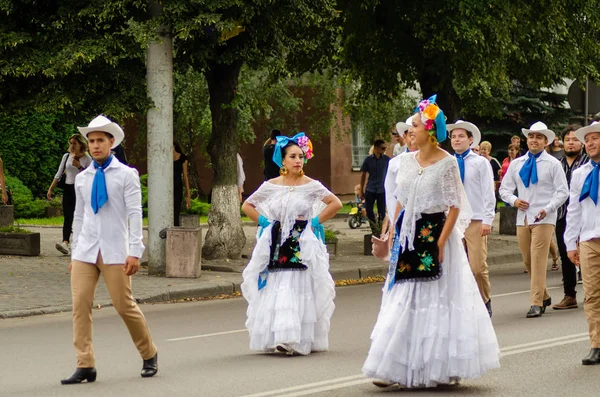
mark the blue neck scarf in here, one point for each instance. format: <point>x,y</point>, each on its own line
<point>461,163</point>
<point>528,173</point>
<point>590,186</point>
<point>282,141</point>
<point>99,193</point>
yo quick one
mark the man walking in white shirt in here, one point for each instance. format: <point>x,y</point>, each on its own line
<point>583,225</point>
<point>478,180</point>
<point>542,189</point>
<point>107,240</point>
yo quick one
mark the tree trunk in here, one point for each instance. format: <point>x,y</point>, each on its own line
<point>225,237</point>
<point>159,69</point>
<point>434,82</point>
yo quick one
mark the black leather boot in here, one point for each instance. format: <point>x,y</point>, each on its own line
<point>535,311</point>
<point>488,306</point>
<point>593,358</point>
<point>80,375</point>
<point>545,304</point>
<point>150,367</point>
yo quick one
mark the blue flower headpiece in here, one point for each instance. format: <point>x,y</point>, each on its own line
<point>433,117</point>
<point>299,139</point>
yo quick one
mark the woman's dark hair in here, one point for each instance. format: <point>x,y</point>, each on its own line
<point>285,148</point>
<point>275,134</point>
<point>177,147</point>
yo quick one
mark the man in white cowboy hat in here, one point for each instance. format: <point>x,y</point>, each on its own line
<point>478,180</point>
<point>399,136</point>
<point>583,226</point>
<point>542,189</point>
<point>107,240</point>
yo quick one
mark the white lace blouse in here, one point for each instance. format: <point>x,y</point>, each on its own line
<point>427,190</point>
<point>289,203</point>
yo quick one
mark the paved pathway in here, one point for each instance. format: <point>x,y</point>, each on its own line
<point>38,285</point>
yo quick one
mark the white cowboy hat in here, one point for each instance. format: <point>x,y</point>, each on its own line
<point>540,128</point>
<point>402,127</point>
<point>102,123</point>
<point>583,131</point>
<point>465,125</point>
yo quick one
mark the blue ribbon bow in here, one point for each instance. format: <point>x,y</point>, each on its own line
<point>282,142</point>
<point>318,229</point>
<point>528,172</point>
<point>590,185</point>
<point>99,192</point>
<point>461,163</point>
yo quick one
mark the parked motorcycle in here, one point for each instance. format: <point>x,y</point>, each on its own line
<point>355,216</point>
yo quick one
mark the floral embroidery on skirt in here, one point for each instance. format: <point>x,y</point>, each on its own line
<point>286,255</point>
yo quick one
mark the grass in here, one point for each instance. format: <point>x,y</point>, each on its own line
<point>58,221</point>
<point>12,229</point>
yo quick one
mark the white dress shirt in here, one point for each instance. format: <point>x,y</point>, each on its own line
<point>389,185</point>
<point>479,185</point>
<point>583,218</point>
<point>548,194</point>
<point>107,232</point>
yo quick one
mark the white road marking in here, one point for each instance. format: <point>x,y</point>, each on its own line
<point>348,381</point>
<point>207,335</point>
<point>518,292</point>
<point>243,330</point>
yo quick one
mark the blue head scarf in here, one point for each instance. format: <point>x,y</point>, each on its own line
<point>439,120</point>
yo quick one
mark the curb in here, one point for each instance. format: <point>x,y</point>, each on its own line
<point>213,289</point>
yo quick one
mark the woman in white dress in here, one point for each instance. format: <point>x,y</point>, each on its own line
<point>287,282</point>
<point>433,328</point>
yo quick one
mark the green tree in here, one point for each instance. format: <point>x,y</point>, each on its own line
<point>469,52</point>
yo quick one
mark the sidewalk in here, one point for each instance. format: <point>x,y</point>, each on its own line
<point>41,285</point>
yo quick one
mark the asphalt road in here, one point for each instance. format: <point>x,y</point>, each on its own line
<point>203,351</point>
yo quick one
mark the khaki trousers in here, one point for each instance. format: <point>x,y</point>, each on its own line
<point>589,252</point>
<point>477,254</point>
<point>534,243</point>
<point>84,278</point>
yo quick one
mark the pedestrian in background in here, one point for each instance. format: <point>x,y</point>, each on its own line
<point>375,167</point>
<point>513,152</point>
<point>516,140</point>
<point>542,188</point>
<point>107,240</point>
<point>582,225</point>
<point>573,159</point>
<point>399,138</point>
<point>3,184</point>
<point>555,149</point>
<point>433,327</point>
<point>287,282</point>
<point>180,178</point>
<point>241,176</point>
<point>485,150</point>
<point>271,170</point>
<point>72,163</point>
<point>476,176</point>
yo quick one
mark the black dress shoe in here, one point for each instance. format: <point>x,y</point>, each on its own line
<point>593,358</point>
<point>150,367</point>
<point>80,375</point>
<point>488,306</point>
<point>535,311</point>
<point>545,304</point>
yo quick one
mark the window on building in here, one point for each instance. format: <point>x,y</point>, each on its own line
<point>360,147</point>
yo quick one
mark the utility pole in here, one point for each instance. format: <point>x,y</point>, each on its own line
<point>159,78</point>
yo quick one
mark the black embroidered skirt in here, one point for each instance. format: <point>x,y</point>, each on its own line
<point>423,263</point>
<point>286,255</point>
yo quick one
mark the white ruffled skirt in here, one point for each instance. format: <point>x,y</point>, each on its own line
<point>295,307</point>
<point>432,332</point>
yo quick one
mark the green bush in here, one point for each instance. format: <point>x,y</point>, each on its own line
<point>144,185</point>
<point>31,147</point>
<point>25,205</point>
<point>197,207</point>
